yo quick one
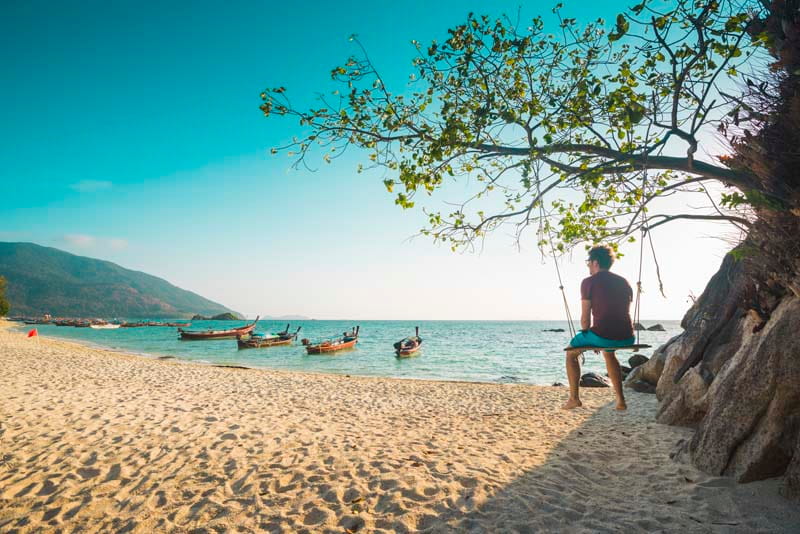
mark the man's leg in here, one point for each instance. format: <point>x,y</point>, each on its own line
<point>574,377</point>
<point>614,373</point>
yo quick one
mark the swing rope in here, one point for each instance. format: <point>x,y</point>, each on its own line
<point>572,330</point>
<point>637,308</point>
<point>570,323</point>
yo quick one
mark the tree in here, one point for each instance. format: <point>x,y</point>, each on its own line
<point>522,111</point>
<point>4,306</point>
<point>618,119</point>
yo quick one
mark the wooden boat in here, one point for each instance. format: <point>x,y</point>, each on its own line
<point>217,334</point>
<point>408,346</point>
<point>347,341</point>
<point>106,326</point>
<point>259,341</point>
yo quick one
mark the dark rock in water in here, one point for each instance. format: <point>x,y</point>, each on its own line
<point>638,326</point>
<point>657,328</point>
<point>593,380</point>
<point>553,330</point>
<point>199,317</point>
<point>636,360</point>
<point>557,384</point>
<point>508,378</point>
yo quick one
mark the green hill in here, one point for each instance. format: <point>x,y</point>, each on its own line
<point>48,280</point>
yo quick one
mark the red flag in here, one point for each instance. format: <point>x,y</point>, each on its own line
<point>33,333</point>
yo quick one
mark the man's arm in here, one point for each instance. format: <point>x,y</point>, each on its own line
<point>586,314</point>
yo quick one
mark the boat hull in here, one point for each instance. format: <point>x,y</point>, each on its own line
<point>407,353</point>
<point>325,348</point>
<point>217,334</point>
<point>263,343</point>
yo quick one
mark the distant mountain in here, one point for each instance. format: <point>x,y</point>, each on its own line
<point>48,280</point>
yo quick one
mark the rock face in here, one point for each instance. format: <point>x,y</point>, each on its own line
<point>734,375</point>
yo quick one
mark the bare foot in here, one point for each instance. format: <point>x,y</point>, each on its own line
<point>572,403</point>
<point>621,406</point>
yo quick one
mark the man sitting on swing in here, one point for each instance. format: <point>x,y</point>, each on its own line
<point>605,322</point>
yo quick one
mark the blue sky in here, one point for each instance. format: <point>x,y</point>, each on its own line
<point>131,132</point>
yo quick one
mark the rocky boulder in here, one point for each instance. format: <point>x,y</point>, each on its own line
<point>687,404</point>
<point>636,360</point>
<point>733,375</point>
<point>752,426</point>
<point>625,371</point>
<point>657,328</point>
<point>594,380</point>
<point>635,382</point>
<point>641,386</point>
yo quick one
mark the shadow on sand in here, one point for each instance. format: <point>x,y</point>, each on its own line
<point>614,474</point>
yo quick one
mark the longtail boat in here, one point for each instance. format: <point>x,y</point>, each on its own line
<point>259,341</point>
<point>408,346</point>
<point>217,334</point>
<point>347,341</point>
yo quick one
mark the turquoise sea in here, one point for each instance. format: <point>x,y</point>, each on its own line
<point>482,351</point>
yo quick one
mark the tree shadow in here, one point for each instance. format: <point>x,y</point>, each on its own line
<point>614,473</point>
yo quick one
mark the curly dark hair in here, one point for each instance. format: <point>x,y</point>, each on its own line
<point>603,255</point>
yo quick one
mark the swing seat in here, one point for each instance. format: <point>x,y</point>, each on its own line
<point>626,347</point>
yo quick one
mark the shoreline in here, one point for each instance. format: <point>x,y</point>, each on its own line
<point>105,441</point>
<point>206,363</point>
<point>11,326</point>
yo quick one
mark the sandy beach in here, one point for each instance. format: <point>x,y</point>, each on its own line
<point>97,441</point>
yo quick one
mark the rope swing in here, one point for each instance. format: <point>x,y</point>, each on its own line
<point>644,234</point>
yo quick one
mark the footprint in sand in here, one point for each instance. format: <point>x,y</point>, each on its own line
<point>51,513</point>
<point>48,488</point>
<point>88,472</point>
<point>315,516</point>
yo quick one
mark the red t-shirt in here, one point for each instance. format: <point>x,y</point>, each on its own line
<point>611,297</point>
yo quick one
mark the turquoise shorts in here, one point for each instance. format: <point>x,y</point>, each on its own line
<point>590,339</point>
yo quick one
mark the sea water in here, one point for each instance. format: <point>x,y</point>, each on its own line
<point>482,351</point>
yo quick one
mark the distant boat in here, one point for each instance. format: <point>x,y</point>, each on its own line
<point>107,326</point>
<point>217,334</point>
<point>258,341</point>
<point>408,346</point>
<point>347,341</point>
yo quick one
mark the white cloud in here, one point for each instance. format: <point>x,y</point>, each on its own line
<point>80,240</point>
<point>117,244</point>
<point>91,186</point>
<point>83,241</point>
